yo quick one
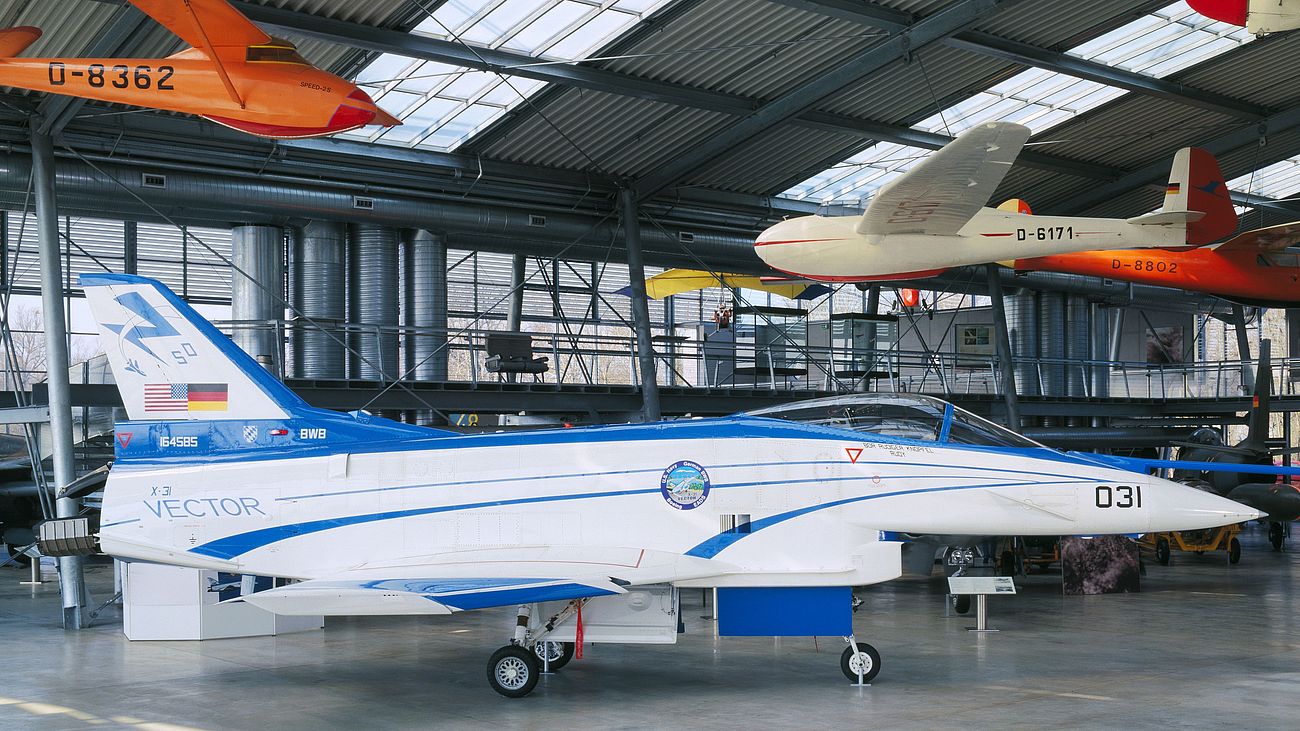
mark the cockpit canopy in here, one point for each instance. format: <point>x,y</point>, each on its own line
<point>901,416</point>
<point>277,50</point>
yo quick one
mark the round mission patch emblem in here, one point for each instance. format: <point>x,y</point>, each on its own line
<point>685,485</point>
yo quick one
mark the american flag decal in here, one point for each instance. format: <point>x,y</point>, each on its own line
<point>166,397</point>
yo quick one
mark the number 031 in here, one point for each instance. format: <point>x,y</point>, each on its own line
<point>1119,496</point>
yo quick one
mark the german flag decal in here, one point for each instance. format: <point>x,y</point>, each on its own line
<point>208,396</point>
<point>1173,189</point>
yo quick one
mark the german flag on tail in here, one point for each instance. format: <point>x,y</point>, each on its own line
<point>208,397</point>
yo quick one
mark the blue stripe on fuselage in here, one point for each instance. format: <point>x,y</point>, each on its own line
<point>241,543</point>
<point>715,545</point>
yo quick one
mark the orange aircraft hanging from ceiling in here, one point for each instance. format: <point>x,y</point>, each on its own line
<point>1252,268</point>
<point>234,74</point>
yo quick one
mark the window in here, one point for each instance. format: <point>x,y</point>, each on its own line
<point>277,51</point>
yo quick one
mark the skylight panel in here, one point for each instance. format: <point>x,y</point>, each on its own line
<point>441,105</point>
<point>1158,44</point>
<point>1168,40</point>
<point>1279,180</point>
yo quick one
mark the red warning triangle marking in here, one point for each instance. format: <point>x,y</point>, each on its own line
<point>124,438</point>
<point>854,453</point>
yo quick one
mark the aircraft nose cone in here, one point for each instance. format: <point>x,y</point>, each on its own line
<point>1178,507</point>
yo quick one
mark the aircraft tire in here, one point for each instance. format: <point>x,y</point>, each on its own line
<point>1276,536</point>
<point>560,653</point>
<point>961,603</point>
<point>513,671</point>
<point>1234,551</point>
<point>1162,552</point>
<point>20,559</point>
<point>850,668</point>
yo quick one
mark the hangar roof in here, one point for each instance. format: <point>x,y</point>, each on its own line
<point>746,100</point>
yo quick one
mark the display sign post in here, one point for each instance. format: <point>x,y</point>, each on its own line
<point>981,587</point>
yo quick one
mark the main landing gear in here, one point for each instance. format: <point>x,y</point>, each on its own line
<point>859,662</point>
<point>1276,535</point>
<point>513,671</point>
<point>545,639</point>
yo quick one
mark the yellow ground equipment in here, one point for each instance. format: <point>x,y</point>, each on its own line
<point>1199,541</point>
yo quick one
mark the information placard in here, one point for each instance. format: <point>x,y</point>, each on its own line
<point>981,585</point>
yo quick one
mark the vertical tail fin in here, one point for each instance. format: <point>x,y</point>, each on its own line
<point>1197,185</point>
<point>14,41</point>
<point>171,363</point>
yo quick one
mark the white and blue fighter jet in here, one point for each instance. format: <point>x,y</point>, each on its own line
<point>222,467</point>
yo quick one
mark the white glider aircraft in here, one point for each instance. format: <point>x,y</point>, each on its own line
<point>589,532</point>
<point>933,218</point>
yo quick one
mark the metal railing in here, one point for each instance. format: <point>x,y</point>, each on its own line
<point>608,359</point>
<point>605,359</point>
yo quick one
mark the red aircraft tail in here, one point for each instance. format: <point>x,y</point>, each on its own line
<point>14,41</point>
<point>1228,11</point>
<point>1197,185</point>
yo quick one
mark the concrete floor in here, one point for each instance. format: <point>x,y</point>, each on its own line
<point>1204,645</point>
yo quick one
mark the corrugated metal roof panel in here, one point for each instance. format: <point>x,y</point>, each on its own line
<point>1134,131</point>
<point>750,47</point>
<point>1262,72</point>
<point>1058,25</point>
<point>769,160</point>
<point>623,135</point>
<point>899,94</point>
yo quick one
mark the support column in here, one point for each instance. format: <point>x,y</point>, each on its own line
<point>71,580</point>
<point>1003,338</point>
<point>1116,335</point>
<point>1099,385</point>
<point>515,315</point>
<point>640,306</point>
<point>1243,348</point>
<point>426,306</point>
<point>130,248</point>
<point>372,300</point>
<point>320,293</point>
<point>256,290</point>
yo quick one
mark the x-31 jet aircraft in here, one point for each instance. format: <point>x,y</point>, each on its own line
<point>222,467</point>
<point>934,218</point>
<point>235,75</point>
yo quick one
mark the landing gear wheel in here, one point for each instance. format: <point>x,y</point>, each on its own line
<point>1162,552</point>
<point>1276,535</point>
<point>20,559</point>
<point>1234,551</point>
<point>961,603</point>
<point>558,653</point>
<point>867,660</point>
<point>513,671</point>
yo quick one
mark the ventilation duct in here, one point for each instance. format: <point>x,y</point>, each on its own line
<point>372,301</point>
<point>1078,344</point>
<point>215,197</point>
<point>1051,343</point>
<point>256,286</point>
<point>426,307</point>
<point>318,271</point>
<point>1022,329</point>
